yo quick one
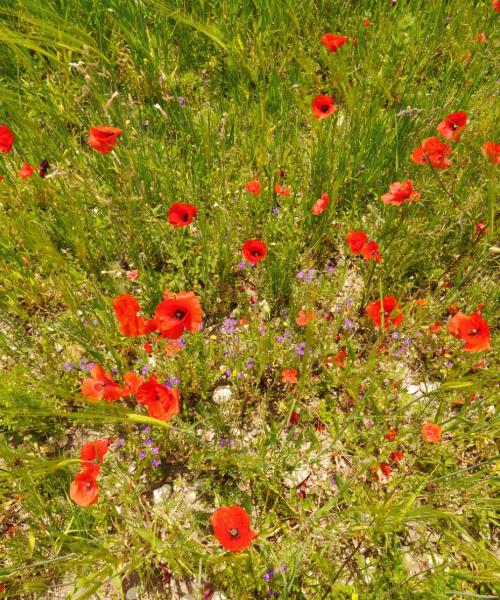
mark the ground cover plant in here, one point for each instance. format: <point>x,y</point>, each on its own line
<point>248,302</point>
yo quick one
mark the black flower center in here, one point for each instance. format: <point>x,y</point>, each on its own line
<point>234,533</point>
<point>180,314</point>
<point>88,486</point>
<point>185,217</point>
<point>255,253</point>
<point>474,332</point>
<point>325,108</point>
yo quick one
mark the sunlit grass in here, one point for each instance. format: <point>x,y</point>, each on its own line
<point>210,96</point>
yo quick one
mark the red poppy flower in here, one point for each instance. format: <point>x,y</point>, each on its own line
<point>132,275</point>
<point>322,107</point>
<point>6,139</point>
<point>481,227</point>
<point>83,489</point>
<point>254,187</point>
<point>391,435</point>
<point>321,204</point>
<point>481,37</point>
<point>391,311</point>
<point>26,171</point>
<point>289,375</point>
<point>180,215</point>
<point>396,456</point>
<point>383,471</point>
<point>432,151</point>
<point>1,178</point>
<point>436,327</point>
<point>431,433</point>
<point>400,192</point>
<point>162,402</point>
<point>452,127</point>
<point>492,151</point>
<point>93,454</point>
<point>178,312</point>
<point>496,5</point>
<point>103,138</point>
<point>126,309</point>
<point>356,240</point>
<point>279,190</point>
<point>473,330</point>
<point>333,42</point>
<point>367,22</point>
<point>132,382</point>
<point>339,358</point>
<point>101,385</point>
<point>254,251</point>
<point>231,525</point>
<point>304,317</point>
<point>294,417</point>
<point>370,251</point>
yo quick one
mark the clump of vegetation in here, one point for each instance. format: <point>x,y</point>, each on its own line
<point>248,299</point>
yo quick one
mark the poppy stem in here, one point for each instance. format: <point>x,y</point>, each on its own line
<point>443,187</point>
<point>460,256</point>
<point>366,291</point>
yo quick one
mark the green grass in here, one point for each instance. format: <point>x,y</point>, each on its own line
<point>248,71</point>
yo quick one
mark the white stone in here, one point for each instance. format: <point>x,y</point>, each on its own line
<point>296,477</point>
<point>132,594</point>
<point>162,493</point>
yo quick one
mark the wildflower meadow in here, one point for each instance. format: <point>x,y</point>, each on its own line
<point>249,299</point>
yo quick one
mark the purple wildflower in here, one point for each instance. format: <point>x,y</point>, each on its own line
<point>68,366</point>
<point>394,335</point>
<point>155,462</point>
<point>144,370</point>
<point>268,575</point>
<point>155,450</point>
<point>182,101</point>
<point>120,443</point>
<point>172,382</point>
<point>348,323</point>
<point>142,454</point>
<point>301,348</point>
<point>229,325</point>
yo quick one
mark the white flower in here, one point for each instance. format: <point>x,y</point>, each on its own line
<point>222,394</point>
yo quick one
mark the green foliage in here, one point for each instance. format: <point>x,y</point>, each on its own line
<point>247,71</point>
